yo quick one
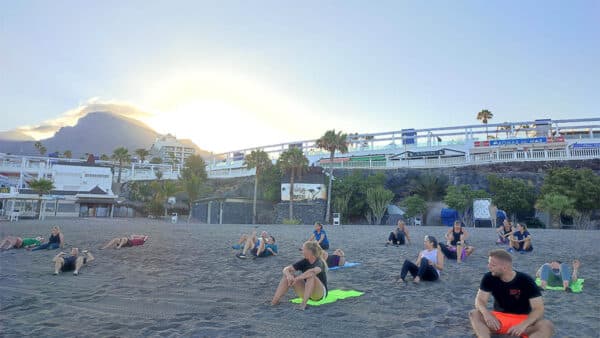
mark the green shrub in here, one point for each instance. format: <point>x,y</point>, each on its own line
<point>292,221</point>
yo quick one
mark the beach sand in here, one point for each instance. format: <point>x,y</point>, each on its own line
<point>186,281</point>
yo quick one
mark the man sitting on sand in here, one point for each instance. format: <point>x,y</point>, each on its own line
<point>119,242</point>
<point>557,273</point>
<point>311,283</point>
<point>74,262</point>
<point>518,303</point>
<point>13,242</point>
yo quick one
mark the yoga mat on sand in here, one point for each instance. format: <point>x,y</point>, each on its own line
<point>346,265</point>
<point>332,296</point>
<point>576,286</point>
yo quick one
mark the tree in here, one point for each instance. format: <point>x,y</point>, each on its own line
<point>156,160</point>
<point>193,178</point>
<point>506,127</point>
<point>42,187</point>
<point>378,200</point>
<point>460,198</point>
<point>484,116</point>
<point>40,148</point>
<point>341,201</point>
<point>357,184</point>
<point>414,205</point>
<point>68,154</point>
<point>556,205</point>
<point>525,128</point>
<point>121,155</point>
<point>332,142</point>
<point>514,196</point>
<point>581,185</point>
<point>260,160</point>
<point>430,187</point>
<point>294,161</point>
<point>104,157</point>
<point>142,154</point>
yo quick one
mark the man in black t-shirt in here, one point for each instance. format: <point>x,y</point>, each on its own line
<point>518,304</point>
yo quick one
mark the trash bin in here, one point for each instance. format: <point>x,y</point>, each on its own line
<point>337,218</point>
<point>174,218</point>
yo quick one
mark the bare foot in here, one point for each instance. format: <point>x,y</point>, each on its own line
<point>302,307</point>
<point>417,280</point>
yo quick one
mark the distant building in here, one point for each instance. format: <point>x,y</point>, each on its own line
<point>170,150</point>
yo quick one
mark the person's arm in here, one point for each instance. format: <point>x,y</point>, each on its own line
<point>481,301</point>
<point>464,236</point>
<point>418,262</point>
<point>62,240</point>
<point>312,237</point>
<point>537,312</point>
<point>447,235</point>
<point>288,272</point>
<point>309,273</point>
<point>272,252</point>
<point>538,273</point>
<point>322,238</point>
<point>440,261</point>
<point>89,256</point>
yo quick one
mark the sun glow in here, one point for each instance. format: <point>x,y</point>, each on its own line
<point>222,111</point>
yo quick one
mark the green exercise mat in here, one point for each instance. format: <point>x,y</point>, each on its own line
<point>576,286</point>
<point>332,296</point>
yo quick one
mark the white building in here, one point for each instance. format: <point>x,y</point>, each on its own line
<point>168,148</point>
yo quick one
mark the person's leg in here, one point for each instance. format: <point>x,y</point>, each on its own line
<point>565,274</point>
<point>324,246</point>
<point>447,251</point>
<point>429,273</point>
<point>53,246</point>
<point>392,238</point>
<point>122,242</point>
<point>514,244</point>
<point>422,269</point>
<point>250,243</point>
<point>282,289</point>
<point>78,265</point>
<point>407,267</point>
<point>541,328</point>
<point>545,273</point>
<point>313,289</point>
<point>261,248</point>
<point>459,250</point>
<point>527,245</point>
<point>58,264</point>
<point>478,324</point>
<point>401,238</point>
<point>112,243</point>
<point>41,247</point>
<point>7,243</point>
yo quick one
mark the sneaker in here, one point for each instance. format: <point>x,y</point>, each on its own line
<point>510,250</point>
<point>84,251</point>
<point>55,273</point>
<point>75,273</point>
<point>387,244</point>
<point>241,255</point>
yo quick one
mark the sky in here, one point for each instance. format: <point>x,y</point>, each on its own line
<point>240,74</point>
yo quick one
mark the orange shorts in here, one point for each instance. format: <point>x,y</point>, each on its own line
<point>508,320</point>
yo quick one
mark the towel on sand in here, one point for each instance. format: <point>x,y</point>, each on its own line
<point>346,265</point>
<point>576,286</point>
<point>332,296</point>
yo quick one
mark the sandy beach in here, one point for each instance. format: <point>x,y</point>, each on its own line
<point>186,281</point>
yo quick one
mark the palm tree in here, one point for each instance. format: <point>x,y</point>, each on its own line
<point>42,187</point>
<point>121,155</point>
<point>193,179</point>
<point>68,154</point>
<point>484,116</point>
<point>331,142</point>
<point>142,153</point>
<point>293,160</point>
<point>260,160</point>
<point>525,128</point>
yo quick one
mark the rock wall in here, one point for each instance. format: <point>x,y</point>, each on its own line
<point>306,212</point>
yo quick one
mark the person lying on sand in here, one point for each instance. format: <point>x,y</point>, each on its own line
<point>337,258</point>
<point>311,283</point>
<point>266,247</point>
<point>13,242</point>
<point>244,238</point>
<point>55,241</point>
<point>252,242</point>
<point>74,262</point>
<point>119,242</point>
<point>429,263</point>
<point>557,273</point>
<point>518,303</point>
<point>520,240</point>
<point>399,236</point>
<point>451,251</point>
<point>320,236</point>
<point>504,232</point>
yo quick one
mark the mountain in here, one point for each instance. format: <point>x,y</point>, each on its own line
<point>97,133</point>
<point>14,135</point>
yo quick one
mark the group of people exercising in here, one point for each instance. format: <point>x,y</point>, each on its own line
<point>63,261</point>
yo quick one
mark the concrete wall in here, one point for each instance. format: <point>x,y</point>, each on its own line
<point>306,212</point>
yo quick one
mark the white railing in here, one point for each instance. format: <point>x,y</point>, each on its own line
<point>232,172</point>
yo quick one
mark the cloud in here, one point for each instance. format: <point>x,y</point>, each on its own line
<point>69,118</point>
